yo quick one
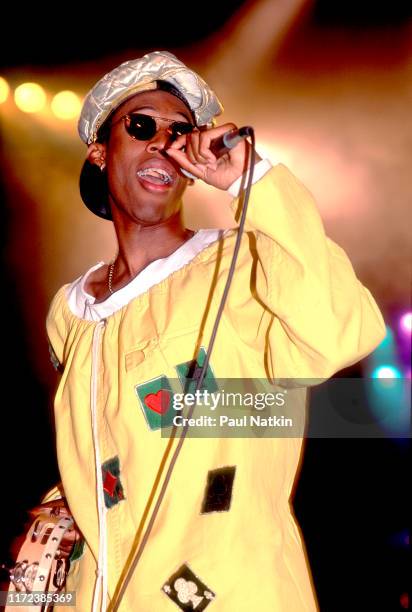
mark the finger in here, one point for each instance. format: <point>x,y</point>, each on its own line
<point>206,138</point>
<point>179,143</point>
<point>184,162</point>
<point>179,154</point>
<point>191,148</point>
<point>200,151</point>
<point>204,148</point>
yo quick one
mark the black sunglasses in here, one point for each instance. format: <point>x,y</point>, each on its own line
<point>144,127</point>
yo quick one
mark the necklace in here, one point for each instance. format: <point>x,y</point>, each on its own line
<point>110,277</point>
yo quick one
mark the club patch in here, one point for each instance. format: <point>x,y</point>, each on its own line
<point>187,591</point>
<point>189,372</point>
<point>112,487</point>
<point>155,397</point>
<point>218,493</point>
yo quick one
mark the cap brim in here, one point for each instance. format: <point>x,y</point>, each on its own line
<point>94,191</point>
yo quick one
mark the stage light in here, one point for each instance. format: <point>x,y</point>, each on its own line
<point>386,376</point>
<point>387,389</point>
<point>388,397</point>
<point>4,90</point>
<point>386,371</point>
<point>66,105</point>
<point>405,322</point>
<point>30,97</point>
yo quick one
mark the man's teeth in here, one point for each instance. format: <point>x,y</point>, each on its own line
<point>155,173</point>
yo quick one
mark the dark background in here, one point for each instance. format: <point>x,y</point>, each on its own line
<point>351,499</point>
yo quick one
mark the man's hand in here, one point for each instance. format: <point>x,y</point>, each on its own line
<point>192,153</point>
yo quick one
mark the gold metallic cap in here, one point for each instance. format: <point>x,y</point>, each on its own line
<point>135,76</point>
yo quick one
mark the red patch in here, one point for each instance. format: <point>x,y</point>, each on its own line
<point>158,402</point>
<point>109,483</point>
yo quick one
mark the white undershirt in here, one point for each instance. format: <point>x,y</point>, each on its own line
<point>83,305</point>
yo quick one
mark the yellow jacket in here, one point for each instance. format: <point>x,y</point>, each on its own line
<point>295,310</point>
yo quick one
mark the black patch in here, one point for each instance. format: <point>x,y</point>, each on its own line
<point>218,494</point>
<point>55,362</point>
<point>187,590</point>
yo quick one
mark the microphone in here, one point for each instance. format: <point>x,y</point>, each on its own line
<point>221,145</point>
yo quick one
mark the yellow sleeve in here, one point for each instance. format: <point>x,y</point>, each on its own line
<point>56,327</point>
<point>324,318</point>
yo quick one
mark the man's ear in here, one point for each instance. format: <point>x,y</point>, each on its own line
<point>96,154</point>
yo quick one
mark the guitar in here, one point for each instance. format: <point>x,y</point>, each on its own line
<point>39,574</point>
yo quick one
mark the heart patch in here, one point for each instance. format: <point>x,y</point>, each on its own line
<point>155,397</point>
<point>158,402</point>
